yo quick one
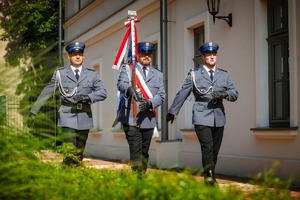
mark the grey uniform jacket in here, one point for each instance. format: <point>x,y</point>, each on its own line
<point>69,116</point>
<point>206,111</point>
<point>154,81</point>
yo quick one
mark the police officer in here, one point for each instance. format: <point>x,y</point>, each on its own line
<point>139,129</point>
<point>209,85</point>
<point>79,87</point>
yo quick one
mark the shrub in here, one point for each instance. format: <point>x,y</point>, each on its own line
<point>24,176</point>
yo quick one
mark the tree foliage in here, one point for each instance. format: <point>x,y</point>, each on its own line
<point>29,26</point>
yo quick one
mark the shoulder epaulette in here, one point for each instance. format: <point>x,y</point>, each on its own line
<point>90,69</point>
<point>194,69</point>
<point>59,68</point>
<point>222,70</point>
<point>156,67</point>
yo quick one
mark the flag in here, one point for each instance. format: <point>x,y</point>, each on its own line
<point>125,52</point>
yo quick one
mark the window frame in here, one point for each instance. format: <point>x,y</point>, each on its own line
<point>279,109</point>
<point>199,38</point>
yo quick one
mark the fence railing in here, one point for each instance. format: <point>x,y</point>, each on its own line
<point>12,119</point>
<point>10,116</point>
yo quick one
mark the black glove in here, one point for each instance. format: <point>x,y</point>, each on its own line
<point>31,120</point>
<point>145,105</point>
<point>131,93</point>
<point>82,98</point>
<point>170,117</point>
<point>219,94</point>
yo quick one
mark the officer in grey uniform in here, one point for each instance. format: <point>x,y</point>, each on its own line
<point>139,129</point>
<point>79,87</point>
<point>209,85</point>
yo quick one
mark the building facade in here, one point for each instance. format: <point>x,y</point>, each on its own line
<point>260,50</point>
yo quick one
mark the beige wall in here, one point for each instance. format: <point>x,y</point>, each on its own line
<point>2,50</point>
<point>9,76</point>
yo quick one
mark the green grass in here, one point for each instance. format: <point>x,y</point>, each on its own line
<point>24,176</point>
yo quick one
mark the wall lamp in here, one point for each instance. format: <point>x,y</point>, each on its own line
<point>213,9</point>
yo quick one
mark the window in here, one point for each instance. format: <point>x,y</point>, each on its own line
<point>96,67</point>
<point>198,41</point>
<point>97,106</point>
<point>279,89</point>
<point>196,36</point>
<point>83,3</point>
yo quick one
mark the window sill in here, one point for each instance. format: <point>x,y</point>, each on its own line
<point>275,132</point>
<point>118,133</point>
<point>188,132</point>
<point>95,133</point>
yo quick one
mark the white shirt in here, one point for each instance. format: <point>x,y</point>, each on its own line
<point>207,69</point>
<point>146,69</point>
<point>73,69</point>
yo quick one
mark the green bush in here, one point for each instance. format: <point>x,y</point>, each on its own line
<point>24,176</point>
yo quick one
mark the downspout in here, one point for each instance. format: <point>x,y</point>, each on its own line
<point>164,66</point>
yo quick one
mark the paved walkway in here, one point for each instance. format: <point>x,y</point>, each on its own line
<point>223,181</point>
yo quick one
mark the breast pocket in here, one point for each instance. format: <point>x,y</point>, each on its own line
<point>68,86</point>
<point>87,86</point>
<point>203,86</point>
<point>153,87</point>
<point>220,86</point>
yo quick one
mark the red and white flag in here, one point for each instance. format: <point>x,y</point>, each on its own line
<point>127,51</point>
<point>129,41</point>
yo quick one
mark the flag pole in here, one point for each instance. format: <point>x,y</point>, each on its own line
<point>132,16</point>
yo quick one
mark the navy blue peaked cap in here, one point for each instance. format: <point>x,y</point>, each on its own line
<point>209,47</point>
<point>75,47</point>
<point>145,46</point>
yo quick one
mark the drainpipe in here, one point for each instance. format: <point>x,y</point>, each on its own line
<point>164,65</point>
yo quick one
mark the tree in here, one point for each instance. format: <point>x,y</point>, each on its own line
<point>31,28</point>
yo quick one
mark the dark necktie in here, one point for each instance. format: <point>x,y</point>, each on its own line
<point>77,74</point>
<point>144,71</point>
<point>211,74</point>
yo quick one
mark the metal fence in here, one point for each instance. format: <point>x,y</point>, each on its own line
<point>14,122</point>
<point>10,116</point>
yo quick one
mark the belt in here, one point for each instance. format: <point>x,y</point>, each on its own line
<point>213,101</point>
<point>78,106</point>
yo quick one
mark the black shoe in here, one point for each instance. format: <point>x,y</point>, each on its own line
<point>210,181</point>
<point>209,178</point>
<point>71,162</point>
